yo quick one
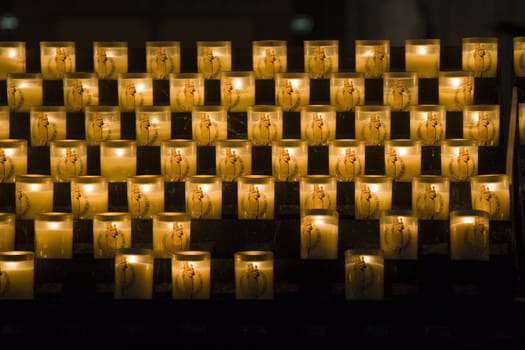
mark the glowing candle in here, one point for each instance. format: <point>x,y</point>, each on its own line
<point>54,235</point>
<point>347,90</point>
<point>317,192</point>
<point>253,275</point>
<point>118,159</point>
<point>80,90</point>
<point>265,124</point>
<point>364,274</point>
<point>186,91</point>
<point>17,279</point>
<point>102,123</point>
<point>110,58</point>
<point>190,275</point>
<point>519,55</point>
<point>162,58</point>
<point>12,58</point>
<point>24,90</point>
<point>145,195</point>
<point>398,231</point>
<point>373,194</point>
<point>209,124</point>
<point>459,159</point>
<point>456,89</point>
<point>68,158</point>
<point>7,231</point>
<point>481,123</point>
<point>48,123</point>
<point>57,58</point>
<point>346,159</point>
<point>152,125</point>
<point>318,124</point>
<point>319,234</point>
<point>428,124</point>
<point>233,158</point>
<point>256,197</point>
<point>321,58</point>
<point>372,57</point>
<point>402,159</point>
<point>13,159</point>
<point>491,193</point>
<point>431,197</point>
<point>134,90</point>
<point>171,233</point>
<point>237,90</point>
<point>480,55</point>
<point>289,159</point>
<point>214,57</point>
<point>400,90</point>
<point>133,273</point>
<point>469,235</point>
<point>292,90</point>
<point>269,57</point>
<point>372,124</point>
<point>111,231</point>
<point>4,120</point>
<point>178,159</point>
<point>204,196</point>
<point>89,196</point>
<point>34,195</point>
<point>423,57</point>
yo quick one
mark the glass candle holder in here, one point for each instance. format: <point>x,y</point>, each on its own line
<point>89,196</point>
<point>118,159</point>
<point>518,48</point>
<point>372,124</point>
<point>13,159</point>
<point>372,57</point>
<point>491,193</point>
<point>428,124</point>
<point>431,197</point>
<point>186,91</point>
<point>459,159</point>
<point>398,234</point>
<point>102,123</point>
<point>255,197</point>
<point>145,195</point>
<point>402,159</point>
<point>152,125</point>
<point>318,124</point>
<point>33,195</point>
<point>253,275</point>
<point>422,56</point>
<point>134,90</point>
<point>12,58</point>
<point>171,233</point>
<point>48,123</point>
<point>265,124</point>
<point>469,235</point>
<point>68,158</point>
<point>317,192</point>
<point>110,58</point>
<point>162,58</point>
<point>292,90</point>
<point>5,122</point>
<point>237,90</point>
<point>7,231</point>
<point>18,275</point>
<point>190,275</point>
<point>373,194</point>
<point>214,57</point>
<point>269,57</point>
<point>321,58</point>
<point>347,90</point>
<point>400,90</point>
<point>178,159</point>
<point>456,89</point>
<point>319,234</point>
<point>481,123</point>
<point>480,55</point>
<point>364,274</point>
<point>289,159</point>
<point>80,90</point>
<point>54,235</point>
<point>111,231</point>
<point>24,90</point>
<point>133,273</point>
<point>346,159</point>
<point>204,196</point>
<point>209,124</point>
<point>57,58</point>
<point>521,123</point>
<point>233,158</point>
